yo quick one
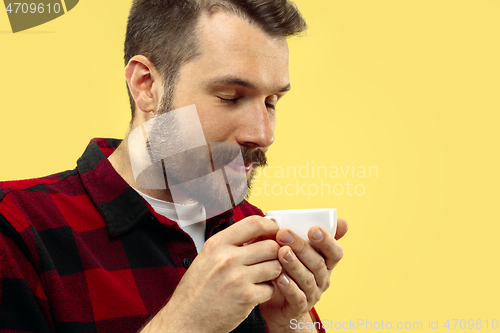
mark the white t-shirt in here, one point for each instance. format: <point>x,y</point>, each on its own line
<point>191,218</point>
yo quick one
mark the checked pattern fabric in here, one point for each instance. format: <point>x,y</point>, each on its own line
<point>81,251</point>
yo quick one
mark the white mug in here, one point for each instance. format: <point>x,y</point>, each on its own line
<point>301,220</point>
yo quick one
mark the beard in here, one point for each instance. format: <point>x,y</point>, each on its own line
<point>254,159</point>
<point>217,175</point>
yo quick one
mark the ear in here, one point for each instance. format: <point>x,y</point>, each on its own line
<point>145,85</point>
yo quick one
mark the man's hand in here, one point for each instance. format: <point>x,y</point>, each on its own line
<point>225,281</point>
<point>306,275</point>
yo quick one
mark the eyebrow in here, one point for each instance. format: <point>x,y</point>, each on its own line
<point>234,80</point>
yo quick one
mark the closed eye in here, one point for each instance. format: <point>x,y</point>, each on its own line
<point>229,100</point>
<point>235,100</point>
<point>271,106</point>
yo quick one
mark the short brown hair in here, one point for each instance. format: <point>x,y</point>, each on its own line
<point>164,30</point>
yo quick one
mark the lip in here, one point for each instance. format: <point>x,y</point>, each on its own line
<point>237,168</point>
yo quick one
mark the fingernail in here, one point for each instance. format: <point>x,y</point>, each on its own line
<point>317,235</point>
<point>284,281</point>
<point>287,238</point>
<point>288,257</point>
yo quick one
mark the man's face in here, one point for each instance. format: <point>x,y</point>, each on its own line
<point>235,83</point>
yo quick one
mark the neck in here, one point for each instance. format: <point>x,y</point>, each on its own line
<point>120,160</point>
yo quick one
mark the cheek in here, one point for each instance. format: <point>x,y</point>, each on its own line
<point>217,126</point>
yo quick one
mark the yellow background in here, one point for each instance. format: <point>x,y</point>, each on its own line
<point>411,88</point>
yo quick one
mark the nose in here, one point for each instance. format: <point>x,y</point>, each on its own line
<point>256,127</point>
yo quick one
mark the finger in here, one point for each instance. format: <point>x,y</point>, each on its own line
<point>257,239</point>
<point>263,272</point>
<point>342,228</point>
<point>248,229</point>
<point>308,256</point>
<point>260,251</point>
<point>296,299</point>
<point>263,292</point>
<point>327,245</point>
<point>251,241</point>
<point>307,280</point>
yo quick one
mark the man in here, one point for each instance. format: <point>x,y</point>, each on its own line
<point>89,250</point>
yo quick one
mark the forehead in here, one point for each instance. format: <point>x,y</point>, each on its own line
<point>230,45</point>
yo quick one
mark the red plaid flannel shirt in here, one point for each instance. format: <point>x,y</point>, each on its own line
<point>81,251</point>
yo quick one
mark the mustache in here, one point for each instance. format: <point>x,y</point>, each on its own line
<point>254,158</point>
<point>223,153</point>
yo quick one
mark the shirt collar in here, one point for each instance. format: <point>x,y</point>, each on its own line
<point>120,205</point>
